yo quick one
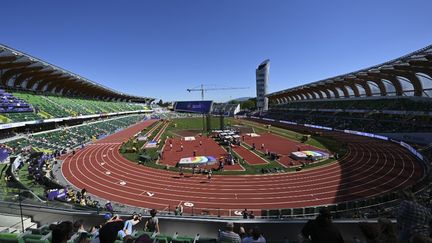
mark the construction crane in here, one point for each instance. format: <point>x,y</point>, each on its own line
<point>202,89</point>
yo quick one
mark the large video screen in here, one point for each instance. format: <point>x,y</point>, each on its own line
<point>204,106</point>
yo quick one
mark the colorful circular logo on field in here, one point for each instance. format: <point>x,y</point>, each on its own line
<point>199,159</point>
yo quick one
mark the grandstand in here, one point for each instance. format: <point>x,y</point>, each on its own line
<point>47,110</point>
<point>225,109</point>
<point>41,107</point>
<point>393,97</point>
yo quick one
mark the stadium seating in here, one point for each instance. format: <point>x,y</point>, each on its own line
<point>369,115</point>
<point>10,103</point>
<point>25,106</point>
<point>55,142</point>
<point>225,109</point>
<point>43,235</point>
<point>398,104</point>
<point>67,138</point>
<point>13,108</point>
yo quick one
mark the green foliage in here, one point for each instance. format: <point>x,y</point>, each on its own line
<point>248,105</point>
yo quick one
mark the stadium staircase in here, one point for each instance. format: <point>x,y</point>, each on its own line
<point>12,224</point>
<point>53,103</point>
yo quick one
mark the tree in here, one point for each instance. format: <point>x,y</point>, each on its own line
<point>247,105</point>
<point>160,103</point>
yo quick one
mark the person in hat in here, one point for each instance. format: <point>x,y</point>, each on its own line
<point>322,229</point>
<point>228,235</point>
<point>107,216</point>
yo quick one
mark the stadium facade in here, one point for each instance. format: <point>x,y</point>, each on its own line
<point>21,71</point>
<point>262,76</point>
<point>409,75</point>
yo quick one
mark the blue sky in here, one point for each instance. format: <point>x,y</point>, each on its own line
<point>160,48</point>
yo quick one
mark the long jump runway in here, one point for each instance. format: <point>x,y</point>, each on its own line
<point>369,168</point>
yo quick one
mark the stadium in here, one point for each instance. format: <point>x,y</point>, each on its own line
<point>75,150</point>
<point>62,138</point>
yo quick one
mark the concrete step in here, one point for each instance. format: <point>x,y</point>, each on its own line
<point>12,223</point>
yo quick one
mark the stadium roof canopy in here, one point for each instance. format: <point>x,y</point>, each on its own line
<point>24,72</point>
<point>409,75</point>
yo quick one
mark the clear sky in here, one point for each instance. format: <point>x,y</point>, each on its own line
<point>160,48</point>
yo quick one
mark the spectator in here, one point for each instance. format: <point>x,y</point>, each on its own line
<point>370,232</point>
<point>61,232</point>
<point>228,235</point>
<point>128,239</point>
<point>78,228</point>
<point>144,238</point>
<point>256,237</point>
<point>386,231</point>
<point>127,228</point>
<point>109,232</point>
<point>152,224</point>
<point>242,232</point>
<point>420,239</point>
<point>109,207</point>
<point>251,215</point>
<point>84,192</point>
<point>83,237</point>
<point>412,218</point>
<point>322,229</point>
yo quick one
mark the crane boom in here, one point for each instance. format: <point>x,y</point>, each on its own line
<point>202,89</point>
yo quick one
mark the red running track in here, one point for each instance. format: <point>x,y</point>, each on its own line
<point>370,168</point>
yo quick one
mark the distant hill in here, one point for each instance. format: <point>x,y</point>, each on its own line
<point>241,99</point>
